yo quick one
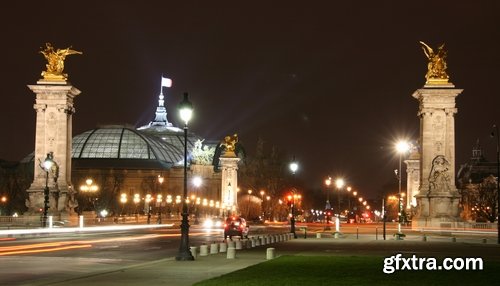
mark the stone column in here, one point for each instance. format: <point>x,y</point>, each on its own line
<point>229,182</point>
<point>437,201</point>
<point>54,110</point>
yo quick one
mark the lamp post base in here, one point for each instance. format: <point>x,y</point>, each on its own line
<point>184,251</point>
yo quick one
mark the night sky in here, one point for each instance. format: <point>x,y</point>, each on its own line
<point>328,83</point>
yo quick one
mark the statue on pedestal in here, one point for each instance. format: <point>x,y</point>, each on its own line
<point>436,68</point>
<point>55,62</point>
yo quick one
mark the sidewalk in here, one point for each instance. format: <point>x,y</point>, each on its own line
<point>170,272</point>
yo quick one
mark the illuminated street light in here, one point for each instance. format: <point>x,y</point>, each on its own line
<point>328,182</point>
<point>47,165</point>
<point>402,147</point>
<point>186,112</point>
<point>148,207</point>
<point>89,188</point>
<point>339,183</point>
<point>3,200</point>
<point>123,200</point>
<point>294,166</point>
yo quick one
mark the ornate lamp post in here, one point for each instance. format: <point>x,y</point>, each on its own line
<point>248,205</point>
<point>328,182</point>
<point>186,111</point>
<point>401,147</point>
<point>46,165</point>
<point>159,196</point>
<point>147,201</point>
<point>262,192</point>
<point>123,200</point>
<point>294,166</point>
<point>90,189</point>
<point>159,202</point>
<point>3,200</point>
<point>339,183</point>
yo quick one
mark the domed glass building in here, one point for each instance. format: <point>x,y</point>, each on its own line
<point>134,169</point>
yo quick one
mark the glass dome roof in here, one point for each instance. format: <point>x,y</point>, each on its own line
<point>118,142</point>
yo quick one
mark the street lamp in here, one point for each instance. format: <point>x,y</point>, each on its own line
<point>3,200</point>
<point>185,111</point>
<point>123,200</point>
<point>137,200</point>
<point>248,205</point>
<point>159,197</point>
<point>90,189</point>
<point>147,201</point>
<point>401,147</point>
<point>339,183</point>
<point>328,182</point>
<point>493,133</point>
<point>262,192</point>
<point>294,166</point>
<point>46,165</point>
<point>159,202</point>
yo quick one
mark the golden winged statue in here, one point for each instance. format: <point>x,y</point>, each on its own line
<point>230,142</point>
<point>436,68</point>
<point>55,62</point>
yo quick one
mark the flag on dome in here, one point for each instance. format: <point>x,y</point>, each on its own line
<point>166,82</point>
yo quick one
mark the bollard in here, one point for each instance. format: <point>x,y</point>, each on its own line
<point>318,235</point>
<point>453,239</point>
<point>376,233</point>
<point>270,252</point>
<point>231,253</point>
<point>230,243</point>
<point>257,241</point>
<point>238,244</point>
<point>204,250</point>
<point>252,241</point>
<point>424,238</point>
<point>336,235</point>
<point>248,243</point>
<point>194,250</point>
<point>80,221</point>
<point>223,247</point>
<point>214,248</point>
<point>357,232</point>
<point>273,239</point>
<point>262,241</point>
<point>485,240</point>
<point>305,232</point>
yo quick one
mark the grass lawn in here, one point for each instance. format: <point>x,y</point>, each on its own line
<point>349,270</point>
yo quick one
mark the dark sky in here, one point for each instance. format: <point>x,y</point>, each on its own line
<point>328,81</point>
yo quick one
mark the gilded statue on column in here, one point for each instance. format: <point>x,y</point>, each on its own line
<point>436,68</point>
<point>55,62</point>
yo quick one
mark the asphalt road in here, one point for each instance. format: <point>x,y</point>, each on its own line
<point>38,257</point>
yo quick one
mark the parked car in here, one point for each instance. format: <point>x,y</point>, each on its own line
<point>235,226</point>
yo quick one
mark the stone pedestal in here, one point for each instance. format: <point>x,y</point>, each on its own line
<point>229,166</point>
<point>437,201</point>
<point>54,110</point>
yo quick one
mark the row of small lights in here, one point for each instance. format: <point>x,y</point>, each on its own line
<point>339,183</point>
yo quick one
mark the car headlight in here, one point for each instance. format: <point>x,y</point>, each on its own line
<point>208,223</point>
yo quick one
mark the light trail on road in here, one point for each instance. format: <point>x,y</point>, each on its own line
<point>76,244</point>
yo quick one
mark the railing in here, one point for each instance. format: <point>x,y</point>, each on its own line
<point>482,225</point>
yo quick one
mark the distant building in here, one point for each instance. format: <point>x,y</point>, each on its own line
<point>477,183</point>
